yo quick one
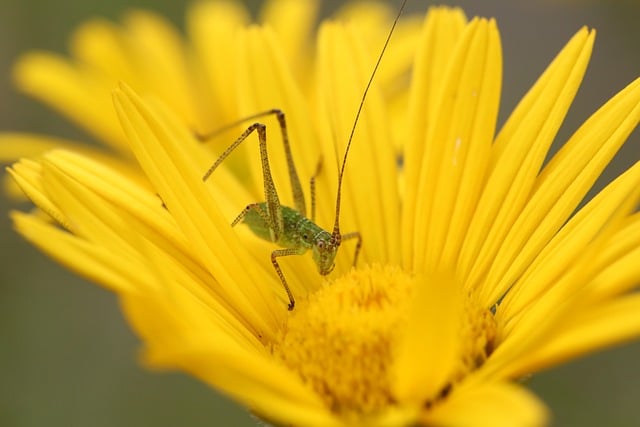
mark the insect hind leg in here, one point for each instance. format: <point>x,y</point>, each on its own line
<point>274,211</point>
<point>296,187</point>
<point>252,206</point>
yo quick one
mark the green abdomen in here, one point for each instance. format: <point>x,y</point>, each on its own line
<point>297,231</point>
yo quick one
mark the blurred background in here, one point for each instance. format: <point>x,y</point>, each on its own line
<point>68,359</point>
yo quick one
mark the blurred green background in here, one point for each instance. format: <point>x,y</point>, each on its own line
<point>68,359</point>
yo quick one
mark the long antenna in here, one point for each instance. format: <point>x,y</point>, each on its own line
<point>336,226</point>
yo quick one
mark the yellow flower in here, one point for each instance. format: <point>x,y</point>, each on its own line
<point>477,267</point>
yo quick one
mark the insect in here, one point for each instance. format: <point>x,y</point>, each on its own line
<point>287,227</point>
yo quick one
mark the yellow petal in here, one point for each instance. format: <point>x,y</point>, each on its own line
<point>293,22</point>
<point>429,348</point>
<point>619,270</point>
<point>268,84</point>
<point>215,43</point>
<point>367,20</point>
<point>162,64</point>
<point>603,325</point>
<point>181,332</point>
<point>27,175</point>
<point>568,246</point>
<point>14,145</point>
<point>170,159</point>
<point>517,156</point>
<point>99,264</point>
<point>440,34</point>
<point>143,237</point>
<point>371,160</point>
<point>75,92</point>
<point>490,405</point>
<point>77,204</point>
<point>265,388</point>
<point>458,145</point>
<point>100,191</point>
<point>565,300</point>
<point>101,47</point>
<point>564,182</point>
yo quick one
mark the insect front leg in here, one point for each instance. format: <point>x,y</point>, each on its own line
<point>358,236</point>
<point>284,252</point>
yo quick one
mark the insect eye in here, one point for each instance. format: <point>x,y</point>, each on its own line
<point>320,244</point>
<point>305,237</point>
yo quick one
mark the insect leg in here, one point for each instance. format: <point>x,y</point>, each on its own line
<point>312,189</point>
<point>358,236</point>
<point>274,211</point>
<point>252,206</point>
<point>278,253</point>
<point>296,187</point>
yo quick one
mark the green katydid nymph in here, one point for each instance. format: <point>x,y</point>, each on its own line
<point>290,228</point>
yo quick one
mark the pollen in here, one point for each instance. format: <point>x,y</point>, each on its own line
<point>340,340</point>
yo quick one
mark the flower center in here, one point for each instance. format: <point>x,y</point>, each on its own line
<point>342,340</point>
<point>339,340</point>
